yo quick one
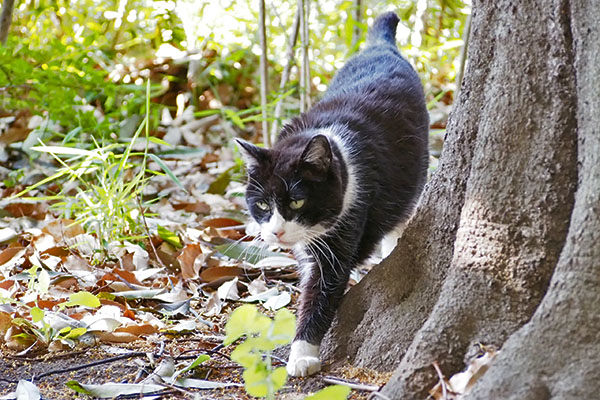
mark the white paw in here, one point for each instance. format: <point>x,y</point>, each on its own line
<point>304,359</point>
<point>303,366</point>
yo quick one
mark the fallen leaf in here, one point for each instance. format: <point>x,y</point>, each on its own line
<point>112,390</point>
<point>63,228</point>
<point>257,286</point>
<point>215,273</point>
<point>187,261</point>
<point>34,210</point>
<point>229,290</point>
<point>117,337</point>
<point>27,391</point>
<point>277,302</point>
<point>213,305</point>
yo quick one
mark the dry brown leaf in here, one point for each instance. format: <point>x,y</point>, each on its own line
<point>168,255</point>
<point>5,321</point>
<point>197,207</point>
<point>6,284</point>
<point>34,210</point>
<point>117,337</point>
<point>219,273</point>
<point>187,258</point>
<point>63,228</point>
<point>12,254</point>
<point>138,330</point>
<point>221,222</point>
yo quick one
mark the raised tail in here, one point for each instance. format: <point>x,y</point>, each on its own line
<point>383,30</point>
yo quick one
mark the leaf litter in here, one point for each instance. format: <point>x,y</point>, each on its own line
<point>65,292</point>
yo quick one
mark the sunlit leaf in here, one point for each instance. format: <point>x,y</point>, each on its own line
<point>336,392</point>
<point>37,314</point>
<point>169,237</point>
<point>85,299</point>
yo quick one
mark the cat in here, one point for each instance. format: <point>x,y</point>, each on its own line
<point>340,177</point>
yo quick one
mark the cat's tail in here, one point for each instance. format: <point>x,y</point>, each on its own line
<point>383,30</point>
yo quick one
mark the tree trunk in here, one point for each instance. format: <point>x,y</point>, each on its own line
<point>557,354</point>
<point>475,261</point>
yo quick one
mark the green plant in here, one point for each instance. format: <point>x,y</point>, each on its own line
<point>39,327</point>
<point>263,335</point>
<point>107,185</point>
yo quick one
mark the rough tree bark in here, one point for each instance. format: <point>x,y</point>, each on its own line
<point>476,259</point>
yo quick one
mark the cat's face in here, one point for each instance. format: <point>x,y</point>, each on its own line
<point>294,190</point>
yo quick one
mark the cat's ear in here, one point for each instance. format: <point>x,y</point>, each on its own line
<point>251,154</point>
<point>316,158</point>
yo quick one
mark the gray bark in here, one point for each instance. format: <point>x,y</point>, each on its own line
<point>475,261</point>
<point>557,354</point>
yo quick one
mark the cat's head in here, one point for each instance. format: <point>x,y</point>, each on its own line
<point>295,189</point>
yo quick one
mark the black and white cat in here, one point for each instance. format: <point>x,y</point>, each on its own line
<point>340,177</point>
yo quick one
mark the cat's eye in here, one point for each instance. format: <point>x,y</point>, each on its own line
<point>262,205</point>
<point>296,204</point>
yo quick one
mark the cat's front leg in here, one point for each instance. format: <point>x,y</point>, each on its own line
<point>322,287</point>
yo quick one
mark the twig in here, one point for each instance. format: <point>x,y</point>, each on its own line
<point>374,395</point>
<point>148,233</point>
<point>91,364</point>
<point>463,55</point>
<point>285,74</point>
<point>442,380</point>
<point>304,6</point>
<point>262,33</point>
<point>355,386</point>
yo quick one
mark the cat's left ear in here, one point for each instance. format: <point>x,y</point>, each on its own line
<point>251,154</point>
<point>316,158</point>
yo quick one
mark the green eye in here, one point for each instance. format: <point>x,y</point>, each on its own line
<point>296,204</point>
<point>262,205</point>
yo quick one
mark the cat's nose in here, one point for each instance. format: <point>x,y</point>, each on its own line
<point>279,233</point>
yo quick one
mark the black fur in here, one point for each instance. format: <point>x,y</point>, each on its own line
<point>376,105</point>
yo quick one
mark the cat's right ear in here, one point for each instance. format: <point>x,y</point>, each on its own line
<point>251,154</point>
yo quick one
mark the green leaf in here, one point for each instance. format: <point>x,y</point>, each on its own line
<point>244,251</point>
<point>256,381</point>
<point>284,327</point>
<point>85,299</point>
<point>76,386</point>
<point>278,378</point>
<point>37,314</point>
<point>235,118</point>
<point>239,321</point>
<point>219,185</point>
<point>336,392</point>
<point>75,333</point>
<point>156,140</point>
<point>244,355</point>
<point>169,237</point>
<point>167,170</point>
<point>201,358</point>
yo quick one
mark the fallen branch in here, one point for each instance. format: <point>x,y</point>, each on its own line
<point>356,386</point>
<point>91,364</point>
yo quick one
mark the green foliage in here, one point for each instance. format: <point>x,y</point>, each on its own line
<point>335,392</point>
<point>263,335</point>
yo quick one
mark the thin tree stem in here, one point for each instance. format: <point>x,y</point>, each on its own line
<point>6,19</point>
<point>285,75</point>
<point>263,71</point>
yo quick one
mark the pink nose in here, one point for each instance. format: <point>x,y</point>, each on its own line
<point>279,234</point>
